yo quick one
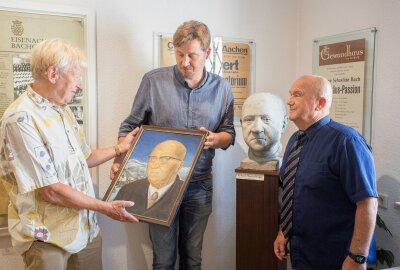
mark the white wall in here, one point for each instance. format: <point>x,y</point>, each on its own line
<point>321,18</point>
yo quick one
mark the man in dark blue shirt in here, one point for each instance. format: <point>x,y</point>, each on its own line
<point>334,201</point>
<point>185,96</point>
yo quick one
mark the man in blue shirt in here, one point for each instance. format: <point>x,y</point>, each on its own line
<point>185,96</point>
<point>334,201</point>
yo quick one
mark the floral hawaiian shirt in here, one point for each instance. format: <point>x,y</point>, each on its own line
<point>42,144</point>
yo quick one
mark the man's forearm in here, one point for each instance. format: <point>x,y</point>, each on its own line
<point>64,195</point>
<point>101,155</point>
<point>67,196</point>
<point>364,225</point>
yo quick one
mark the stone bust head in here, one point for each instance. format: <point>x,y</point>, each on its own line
<point>264,119</point>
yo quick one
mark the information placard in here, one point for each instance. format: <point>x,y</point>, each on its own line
<point>347,61</point>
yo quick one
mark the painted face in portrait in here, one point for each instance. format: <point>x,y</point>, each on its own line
<point>263,122</point>
<point>164,163</point>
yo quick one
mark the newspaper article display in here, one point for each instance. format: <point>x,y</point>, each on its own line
<point>343,64</point>
<point>167,52</point>
<point>20,32</point>
<point>236,68</point>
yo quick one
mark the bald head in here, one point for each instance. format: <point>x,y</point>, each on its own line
<point>320,86</point>
<point>310,100</point>
<point>170,148</point>
<point>164,163</point>
<point>257,101</point>
<point>264,119</point>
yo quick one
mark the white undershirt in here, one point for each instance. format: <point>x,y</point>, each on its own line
<point>161,192</point>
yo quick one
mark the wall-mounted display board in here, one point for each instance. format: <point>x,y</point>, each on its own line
<point>347,61</point>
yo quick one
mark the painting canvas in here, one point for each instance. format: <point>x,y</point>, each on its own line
<point>156,171</point>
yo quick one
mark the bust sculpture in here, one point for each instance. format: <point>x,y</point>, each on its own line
<point>264,119</point>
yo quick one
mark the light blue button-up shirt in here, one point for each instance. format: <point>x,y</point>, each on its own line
<point>165,99</point>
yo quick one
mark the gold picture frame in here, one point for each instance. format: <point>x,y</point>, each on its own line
<point>156,171</point>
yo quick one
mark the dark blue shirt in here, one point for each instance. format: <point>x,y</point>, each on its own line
<point>336,170</point>
<point>165,99</point>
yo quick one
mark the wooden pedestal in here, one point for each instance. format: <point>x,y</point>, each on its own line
<point>256,219</point>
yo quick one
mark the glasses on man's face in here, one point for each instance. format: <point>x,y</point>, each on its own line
<point>153,160</point>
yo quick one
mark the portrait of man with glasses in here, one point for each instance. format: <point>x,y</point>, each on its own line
<point>155,195</point>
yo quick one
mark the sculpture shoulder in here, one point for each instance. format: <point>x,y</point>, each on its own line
<point>270,165</point>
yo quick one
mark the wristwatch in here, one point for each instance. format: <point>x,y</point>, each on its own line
<point>117,150</point>
<point>357,258</point>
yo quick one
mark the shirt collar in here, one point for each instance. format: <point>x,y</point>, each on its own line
<point>161,191</point>
<point>312,130</point>
<point>181,79</point>
<point>41,101</point>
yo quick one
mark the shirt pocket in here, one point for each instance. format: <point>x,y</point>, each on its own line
<point>316,175</point>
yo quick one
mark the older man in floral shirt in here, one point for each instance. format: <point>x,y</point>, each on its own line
<point>45,164</point>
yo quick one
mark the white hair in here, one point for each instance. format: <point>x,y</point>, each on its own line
<point>56,53</point>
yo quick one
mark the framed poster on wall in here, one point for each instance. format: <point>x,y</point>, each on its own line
<point>347,61</point>
<point>238,67</point>
<point>22,26</point>
<point>231,58</point>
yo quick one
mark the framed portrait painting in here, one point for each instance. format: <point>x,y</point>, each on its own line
<point>156,171</point>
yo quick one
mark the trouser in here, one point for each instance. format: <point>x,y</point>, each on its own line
<point>46,256</point>
<point>186,232</point>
